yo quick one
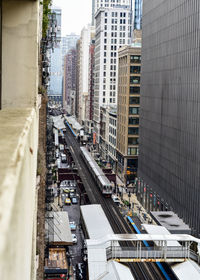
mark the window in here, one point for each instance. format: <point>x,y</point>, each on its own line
<point>135,58</point>
<point>133,141</point>
<point>134,90</point>
<point>134,80</point>
<point>134,100</point>
<point>135,69</point>
<point>132,151</point>
<point>105,41</point>
<point>104,100</point>
<point>133,121</point>
<point>133,130</point>
<point>110,100</point>
<point>105,20</point>
<point>134,111</point>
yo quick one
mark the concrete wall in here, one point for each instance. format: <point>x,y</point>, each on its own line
<point>19,139</point>
<point>20,36</point>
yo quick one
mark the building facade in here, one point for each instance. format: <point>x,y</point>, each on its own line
<point>128,112</point>
<point>56,72</point>
<point>137,11</point>
<point>112,139</point>
<point>96,4</point>
<point>170,105</point>
<point>90,104</point>
<point>67,43</point>
<point>77,78</point>
<point>83,95</point>
<point>113,28</point>
<point>69,83</point>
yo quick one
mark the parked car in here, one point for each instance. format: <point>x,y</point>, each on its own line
<point>72,194</point>
<point>74,238</point>
<point>74,200</point>
<point>116,199</point>
<point>68,201</point>
<point>64,183</point>
<point>80,271</point>
<point>72,225</point>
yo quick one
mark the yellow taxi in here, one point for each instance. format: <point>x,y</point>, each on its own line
<point>68,201</point>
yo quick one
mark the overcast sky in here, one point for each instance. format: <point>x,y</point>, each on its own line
<point>75,14</point>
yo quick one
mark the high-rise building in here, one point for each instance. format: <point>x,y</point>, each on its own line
<point>96,4</point>
<point>78,53</point>
<point>169,158</point>
<point>90,101</point>
<point>67,43</point>
<point>113,26</point>
<point>56,73</point>
<point>86,34</point>
<point>137,12</point>
<point>128,112</point>
<point>69,83</point>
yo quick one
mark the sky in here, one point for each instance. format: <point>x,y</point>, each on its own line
<point>75,14</point>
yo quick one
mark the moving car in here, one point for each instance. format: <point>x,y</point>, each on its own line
<point>72,225</point>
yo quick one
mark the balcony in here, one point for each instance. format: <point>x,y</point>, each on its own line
<point>18,151</point>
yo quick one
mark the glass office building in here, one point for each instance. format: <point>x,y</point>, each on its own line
<point>169,157</point>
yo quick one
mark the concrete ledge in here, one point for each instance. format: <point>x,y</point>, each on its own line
<point>18,162</point>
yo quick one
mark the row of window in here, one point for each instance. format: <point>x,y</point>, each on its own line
<point>135,58</point>
<point>133,141</point>
<point>134,80</point>
<point>113,122</point>
<point>112,140</point>
<point>135,69</point>
<point>133,121</point>
<point>112,100</point>
<point>133,130</point>
<point>134,110</point>
<point>112,130</point>
<point>111,93</point>
<point>134,90</point>
<point>112,150</point>
<point>133,151</point>
<point>134,100</point>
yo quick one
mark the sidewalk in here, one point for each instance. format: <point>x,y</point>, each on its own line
<point>136,209</point>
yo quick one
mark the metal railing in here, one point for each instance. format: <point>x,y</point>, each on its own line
<point>169,252</point>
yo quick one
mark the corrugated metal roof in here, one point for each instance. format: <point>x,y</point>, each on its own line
<point>58,122</point>
<point>97,226</point>
<point>58,227</point>
<point>96,222</point>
